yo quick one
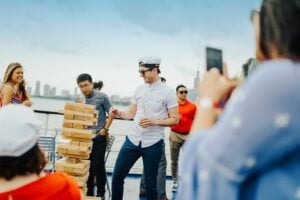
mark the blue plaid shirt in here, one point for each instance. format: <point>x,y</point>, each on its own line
<point>253,151</point>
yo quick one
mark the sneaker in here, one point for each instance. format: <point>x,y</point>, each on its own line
<point>175,186</point>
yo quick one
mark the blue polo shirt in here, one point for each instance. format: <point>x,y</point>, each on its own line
<point>102,103</point>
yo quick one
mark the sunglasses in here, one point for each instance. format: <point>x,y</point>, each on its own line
<point>144,71</point>
<point>183,92</point>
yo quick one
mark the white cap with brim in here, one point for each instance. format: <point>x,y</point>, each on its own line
<point>19,128</point>
<point>149,60</point>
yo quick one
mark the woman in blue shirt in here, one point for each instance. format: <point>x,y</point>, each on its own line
<point>253,151</point>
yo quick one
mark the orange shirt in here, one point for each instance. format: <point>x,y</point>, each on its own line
<point>187,112</point>
<point>56,186</point>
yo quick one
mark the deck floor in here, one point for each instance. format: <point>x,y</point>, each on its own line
<point>132,185</point>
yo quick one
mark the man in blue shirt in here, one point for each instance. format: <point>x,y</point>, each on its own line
<point>102,103</point>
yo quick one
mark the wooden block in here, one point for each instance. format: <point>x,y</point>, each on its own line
<point>75,143</point>
<point>77,113</point>
<point>88,110</point>
<point>89,131</point>
<point>82,157</point>
<point>85,144</point>
<point>77,139</point>
<point>87,123</point>
<point>79,126</point>
<point>81,118</point>
<point>68,107</point>
<point>72,160</point>
<point>75,104</point>
<point>68,116</point>
<point>81,168</point>
<point>67,125</point>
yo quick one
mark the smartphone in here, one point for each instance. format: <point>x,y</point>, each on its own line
<point>214,59</point>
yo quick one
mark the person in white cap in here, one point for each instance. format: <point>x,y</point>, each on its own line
<point>154,106</point>
<point>22,162</point>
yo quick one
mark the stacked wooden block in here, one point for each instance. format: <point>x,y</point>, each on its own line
<point>77,117</point>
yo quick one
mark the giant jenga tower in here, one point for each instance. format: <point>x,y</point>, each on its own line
<point>77,117</point>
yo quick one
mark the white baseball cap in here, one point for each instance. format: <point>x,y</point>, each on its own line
<point>149,60</point>
<point>19,128</point>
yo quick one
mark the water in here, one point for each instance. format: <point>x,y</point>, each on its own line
<point>119,129</point>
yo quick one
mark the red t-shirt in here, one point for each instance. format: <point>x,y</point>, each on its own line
<point>187,112</point>
<point>56,186</point>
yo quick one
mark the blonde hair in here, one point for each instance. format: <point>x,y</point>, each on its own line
<point>8,76</point>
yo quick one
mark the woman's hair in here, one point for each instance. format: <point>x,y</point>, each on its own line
<point>98,85</point>
<point>33,161</point>
<point>280,28</point>
<point>8,76</point>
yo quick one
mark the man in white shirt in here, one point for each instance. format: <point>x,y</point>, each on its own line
<point>154,106</point>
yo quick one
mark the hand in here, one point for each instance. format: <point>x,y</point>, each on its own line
<point>27,103</point>
<point>145,123</point>
<point>214,86</point>
<point>114,112</point>
<point>103,132</point>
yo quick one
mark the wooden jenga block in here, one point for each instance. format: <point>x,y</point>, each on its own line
<point>72,160</point>
<point>81,168</point>
<point>81,118</point>
<point>93,115</point>
<point>68,116</point>
<point>67,125</point>
<point>75,143</point>
<point>79,126</point>
<point>85,144</point>
<point>87,123</point>
<point>88,110</point>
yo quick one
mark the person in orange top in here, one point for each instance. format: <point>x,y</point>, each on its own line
<point>22,162</point>
<point>179,133</point>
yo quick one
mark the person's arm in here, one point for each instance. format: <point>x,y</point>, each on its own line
<point>128,114</point>
<point>27,102</point>
<point>7,94</point>
<point>109,119</point>
<point>172,120</point>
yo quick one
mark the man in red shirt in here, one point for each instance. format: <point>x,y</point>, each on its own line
<point>179,133</point>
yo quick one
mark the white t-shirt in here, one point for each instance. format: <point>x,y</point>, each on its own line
<point>153,101</point>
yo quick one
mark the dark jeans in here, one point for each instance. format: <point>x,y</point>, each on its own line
<point>161,176</point>
<point>128,155</point>
<point>97,166</point>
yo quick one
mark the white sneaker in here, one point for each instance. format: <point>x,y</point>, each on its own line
<point>175,186</point>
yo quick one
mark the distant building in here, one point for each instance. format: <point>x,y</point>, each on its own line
<point>53,92</point>
<point>192,95</point>
<point>29,90</point>
<point>65,93</point>
<point>47,90</point>
<point>37,91</point>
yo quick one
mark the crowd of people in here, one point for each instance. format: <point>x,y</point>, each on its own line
<point>240,139</point>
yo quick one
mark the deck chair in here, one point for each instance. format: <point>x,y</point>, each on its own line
<point>110,142</point>
<point>47,145</point>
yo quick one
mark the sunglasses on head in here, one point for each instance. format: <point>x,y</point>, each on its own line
<point>183,92</point>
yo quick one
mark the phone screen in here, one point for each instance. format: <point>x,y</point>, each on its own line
<point>214,59</point>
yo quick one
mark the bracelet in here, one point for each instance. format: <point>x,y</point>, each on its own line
<point>206,103</point>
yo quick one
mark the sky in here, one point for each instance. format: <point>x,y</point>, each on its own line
<point>56,40</point>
